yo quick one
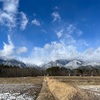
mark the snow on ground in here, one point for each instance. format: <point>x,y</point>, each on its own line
<point>92,88</point>
<point>17,91</point>
<point>14,87</point>
<point>15,96</point>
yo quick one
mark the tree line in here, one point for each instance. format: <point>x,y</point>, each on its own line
<point>14,71</point>
<point>81,71</point>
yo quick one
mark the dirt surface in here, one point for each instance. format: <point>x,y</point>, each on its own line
<point>45,93</point>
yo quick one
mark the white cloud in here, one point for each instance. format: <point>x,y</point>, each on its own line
<point>21,50</point>
<point>68,39</point>
<point>36,22</point>
<point>59,50</point>
<point>70,29</point>
<point>59,33</point>
<point>8,49</point>
<point>82,43</point>
<point>56,16</point>
<point>7,20</point>
<point>10,6</point>
<point>91,54</point>
<point>51,52</point>
<point>9,13</point>
<point>66,32</point>
<point>24,21</point>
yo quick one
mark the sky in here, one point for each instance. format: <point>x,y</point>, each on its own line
<point>39,31</point>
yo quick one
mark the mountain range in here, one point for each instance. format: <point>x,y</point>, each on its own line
<point>13,62</point>
<point>71,64</point>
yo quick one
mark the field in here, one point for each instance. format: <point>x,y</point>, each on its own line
<point>50,88</point>
<point>22,88</point>
<point>76,88</point>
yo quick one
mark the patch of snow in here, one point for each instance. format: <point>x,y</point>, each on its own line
<point>90,87</point>
<point>15,96</point>
<point>16,91</point>
<point>93,88</point>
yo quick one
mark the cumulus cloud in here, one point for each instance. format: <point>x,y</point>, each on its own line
<point>9,13</point>
<point>59,50</point>
<point>8,49</point>
<point>56,16</point>
<point>51,52</point>
<point>91,54</point>
<point>36,22</point>
<point>10,6</point>
<point>66,48</point>
<point>24,21</point>
<point>21,50</point>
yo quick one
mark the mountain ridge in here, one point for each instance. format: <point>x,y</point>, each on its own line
<point>72,64</point>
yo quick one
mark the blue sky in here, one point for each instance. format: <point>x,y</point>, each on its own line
<point>39,31</point>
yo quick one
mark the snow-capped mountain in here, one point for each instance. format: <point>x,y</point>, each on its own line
<point>12,62</point>
<point>72,64</point>
<point>59,63</point>
<point>91,64</point>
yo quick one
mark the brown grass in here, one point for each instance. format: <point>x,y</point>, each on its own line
<point>77,80</point>
<point>33,80</point>
<point>66,91</point>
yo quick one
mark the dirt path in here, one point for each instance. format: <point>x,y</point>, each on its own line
<point>52,89</point>
<point>45,93</point>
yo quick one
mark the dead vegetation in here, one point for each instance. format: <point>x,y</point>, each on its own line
<point>53,88</point>
<point>78,80</point>
<point>22,87</point>
<point>66,91</point>
<point>15,80</point>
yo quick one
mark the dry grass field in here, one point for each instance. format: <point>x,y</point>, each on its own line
<point>21,88</point>
<point>78,80</point>
<point>50,88</point>
<point>75,88</point>
<point>33,80</point>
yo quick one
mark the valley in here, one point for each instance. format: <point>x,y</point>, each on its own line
<point>56,80</point>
